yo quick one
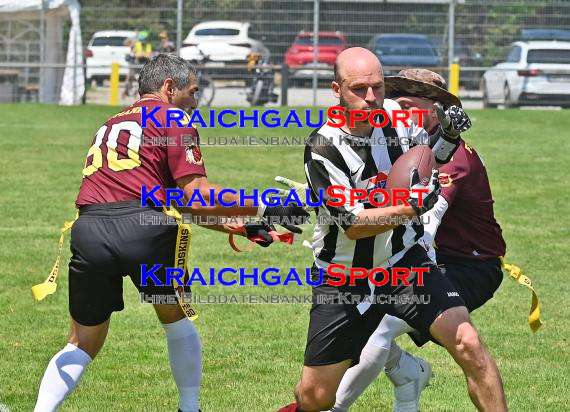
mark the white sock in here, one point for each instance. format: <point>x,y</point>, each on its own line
<point>61,376</point>
<point>357,378</point>
<point>404,370</point>
<point>393,357</point>
<point>389,329</point>
<point>185,350</point>
<point>379,349</point>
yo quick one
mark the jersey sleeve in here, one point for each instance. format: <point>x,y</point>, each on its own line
<point>451,177</point>
<point>184,155</point>
<point>321,173</point>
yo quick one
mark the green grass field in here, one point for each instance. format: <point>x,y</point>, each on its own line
<point>253,353</point>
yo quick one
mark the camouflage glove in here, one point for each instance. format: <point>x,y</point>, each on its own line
<point>453,121</point>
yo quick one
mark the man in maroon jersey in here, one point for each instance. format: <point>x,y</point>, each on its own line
<point>468,241</point>
<point>108,241</point>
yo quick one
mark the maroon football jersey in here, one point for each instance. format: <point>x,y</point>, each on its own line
<point>124,156</point>
<point>468,227</point>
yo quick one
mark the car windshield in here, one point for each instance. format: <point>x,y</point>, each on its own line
<point>554,56</point>
<point>403,47</point>
<point>217,32</point>
<point>109,41</point>
<point>323,41</point>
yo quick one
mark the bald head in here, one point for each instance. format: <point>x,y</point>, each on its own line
<point>356,62</point>
<point>359,83</point>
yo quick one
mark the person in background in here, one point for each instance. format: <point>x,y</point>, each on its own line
<point>141,51</point>
<point>165,46</point>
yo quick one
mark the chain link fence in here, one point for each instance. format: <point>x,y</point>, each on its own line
<point>482,31</point>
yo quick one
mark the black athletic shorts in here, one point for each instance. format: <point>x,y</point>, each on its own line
<point>338,331</point>
<point>475,280</point>
<point>108,242</point>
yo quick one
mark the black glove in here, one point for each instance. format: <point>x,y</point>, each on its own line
<point>260,229</point>
<point>428,199</point>
<point>287,213</point>
<point>453,121</point>
<point>445,141</point>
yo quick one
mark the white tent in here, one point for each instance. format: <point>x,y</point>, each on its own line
<point>51,14</point>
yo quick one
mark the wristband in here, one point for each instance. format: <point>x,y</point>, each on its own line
<point>443,147</point>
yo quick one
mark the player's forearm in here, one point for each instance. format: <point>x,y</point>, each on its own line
<point>196,208</point>
<point>225,228</point>
<point>212,194</point>
<point>369,221</point>
<point>223,204</point>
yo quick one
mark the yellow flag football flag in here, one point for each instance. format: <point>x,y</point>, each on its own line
<point>534,315</point>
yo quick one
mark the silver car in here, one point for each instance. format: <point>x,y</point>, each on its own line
<point>533,73</point>
<point>224,42</point>
<point>105,48</point>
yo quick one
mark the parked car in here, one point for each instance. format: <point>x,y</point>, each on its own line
<point>104,48</point>
<point>533,73</point>
<point>300,55</point>
<point>301,52</point>
<point>545,34</point>
<point>224,42</point>
<point>404,50</point>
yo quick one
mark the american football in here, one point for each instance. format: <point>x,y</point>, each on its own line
<point>419,157</point>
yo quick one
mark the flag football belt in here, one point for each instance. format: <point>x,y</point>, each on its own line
<point>287,238</point>
<point>49,286</point>
<point>515,272</point>
<point>183,240</point>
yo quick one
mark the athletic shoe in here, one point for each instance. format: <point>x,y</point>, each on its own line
<point>409,377</point>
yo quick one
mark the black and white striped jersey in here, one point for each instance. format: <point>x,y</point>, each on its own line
<point>350,164</point>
